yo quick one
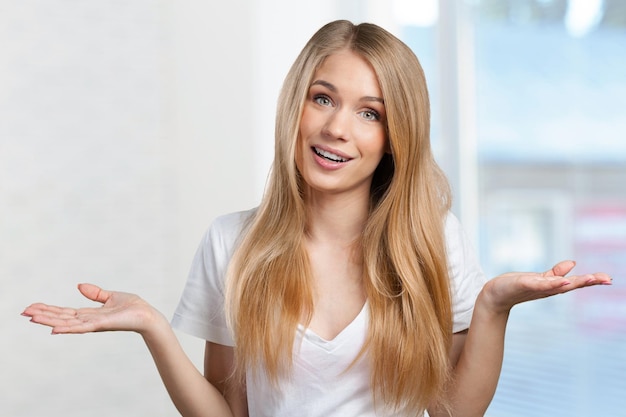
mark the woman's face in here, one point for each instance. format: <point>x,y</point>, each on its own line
<point>342,132</point>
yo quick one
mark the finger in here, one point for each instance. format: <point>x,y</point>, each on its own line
<point>33,309</point>
<point>41,308</point>
<point>94,293</point>
<point>80,323</point>
<point>79,328</point>
<point>599,278</point>
<point>52,315</point>
<point>53,321</point>
<point>575,282</point>
<point>603,278</point>
<point>561,269</point>
<point>549,284</point>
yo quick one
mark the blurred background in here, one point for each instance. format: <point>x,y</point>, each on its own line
<point>126,127</point>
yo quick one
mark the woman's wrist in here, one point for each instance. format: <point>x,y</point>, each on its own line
<point>151,322</point>
<point>488,303</point>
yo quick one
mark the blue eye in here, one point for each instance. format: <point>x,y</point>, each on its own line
<point>322,100</point>
<point>370,115</point>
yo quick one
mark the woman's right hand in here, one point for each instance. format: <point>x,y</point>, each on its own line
<point>190,391</point>
<point>119,311</point>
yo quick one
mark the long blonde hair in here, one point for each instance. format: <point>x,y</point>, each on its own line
<point>403,243</point>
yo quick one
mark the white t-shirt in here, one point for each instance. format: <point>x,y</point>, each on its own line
<point>319,385</point>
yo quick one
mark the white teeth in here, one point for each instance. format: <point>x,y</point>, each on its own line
<point>329,155</point>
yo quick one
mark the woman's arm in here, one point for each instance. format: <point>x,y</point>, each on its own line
<point>192,394</point>
<point>218,370</point>
<point>480,351</point>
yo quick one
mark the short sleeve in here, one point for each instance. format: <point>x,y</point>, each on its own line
<point>200,311</point>
<point>466,276</point>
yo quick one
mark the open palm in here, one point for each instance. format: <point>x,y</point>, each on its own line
<point>119,311</point>
<point>507,290</point>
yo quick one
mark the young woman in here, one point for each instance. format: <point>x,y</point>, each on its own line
<point>349,291</point>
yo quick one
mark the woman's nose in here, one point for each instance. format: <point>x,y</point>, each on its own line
<point>338,124</point>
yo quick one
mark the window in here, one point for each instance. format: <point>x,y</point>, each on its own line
<point>537,137</point>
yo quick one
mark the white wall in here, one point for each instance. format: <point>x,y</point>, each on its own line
<point>125,128</point>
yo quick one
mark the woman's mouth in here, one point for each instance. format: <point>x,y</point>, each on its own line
<point>328,155</point>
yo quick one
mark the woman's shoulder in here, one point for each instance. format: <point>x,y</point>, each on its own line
<point>223,234</point>
<point>452,225</point>
<point>227,228</point>
<point>234,220</point>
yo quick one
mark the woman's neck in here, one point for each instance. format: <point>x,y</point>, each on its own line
<point>336,218</point>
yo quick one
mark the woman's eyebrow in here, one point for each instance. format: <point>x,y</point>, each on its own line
<point>332,88</point>
<point>371,98</point>
<point>326,84</point>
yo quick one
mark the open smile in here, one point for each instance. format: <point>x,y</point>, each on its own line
<point>329,155</point>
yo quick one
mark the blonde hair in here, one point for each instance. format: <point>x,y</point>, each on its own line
<point>403,243</point>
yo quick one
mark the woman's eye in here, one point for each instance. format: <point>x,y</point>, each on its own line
<point>370,115</point>
<point>322,100</point>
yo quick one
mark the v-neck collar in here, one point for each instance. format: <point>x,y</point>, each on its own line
<point>355,326</point>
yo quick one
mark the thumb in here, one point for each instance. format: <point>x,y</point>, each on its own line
<point>561,269</point>
<point>94,293</point>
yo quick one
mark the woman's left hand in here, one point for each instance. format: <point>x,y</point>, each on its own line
<point>504,291</point>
